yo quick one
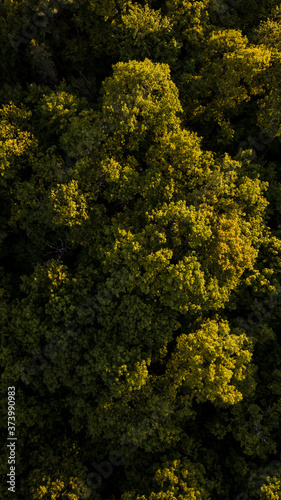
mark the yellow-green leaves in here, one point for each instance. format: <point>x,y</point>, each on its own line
<point>57,109</point>
<point>67,205</point>
<point>210,362</point>
<point>232,73</point>
<point>140,99</point>
<point>144,32</point>
<point>122,178</point>
<point>14,141</point>
<point>178,479</point>
<point>230,249</point>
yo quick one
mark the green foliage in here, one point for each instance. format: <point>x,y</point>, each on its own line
<point>210,363</point>
<point>144,33</point>
<point>178,479</point>
<point>14,141</point>
<point>232,73</point>
<point>140,101</point>
<point>191,21</point>
<point>140,249</point>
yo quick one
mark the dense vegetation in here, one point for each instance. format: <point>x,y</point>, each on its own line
<point>140,248</point>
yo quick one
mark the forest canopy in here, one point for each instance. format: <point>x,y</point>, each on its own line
<point>140,249</point>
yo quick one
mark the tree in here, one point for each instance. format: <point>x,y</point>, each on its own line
<point>140,250</point>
